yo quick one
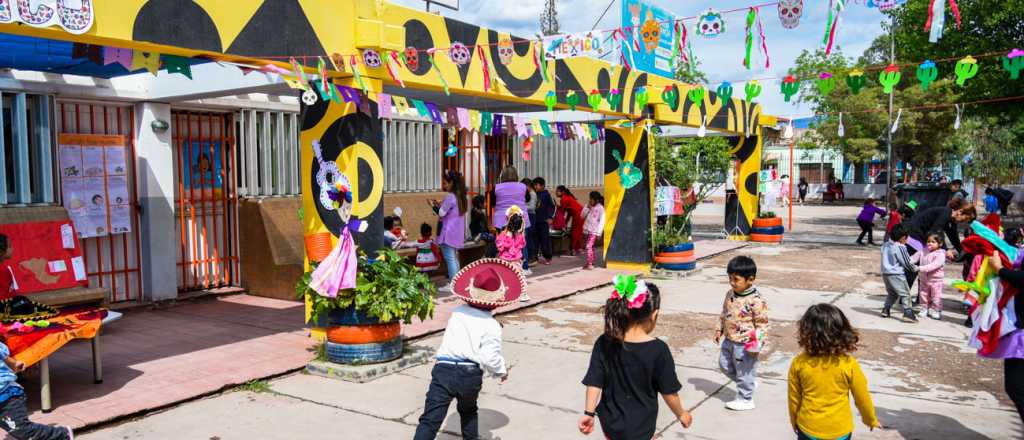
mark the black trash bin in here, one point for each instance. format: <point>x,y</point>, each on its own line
<point>926,194</point>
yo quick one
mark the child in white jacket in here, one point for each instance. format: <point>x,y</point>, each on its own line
<point>593,226</point>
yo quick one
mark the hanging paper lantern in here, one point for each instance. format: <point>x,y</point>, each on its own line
<point>710,24</point>
<point>965,69</point>
<point>641,97</point>
<point>855,80</point>
<point>614,98</point>
<point>696,96</point>
<point>459,54</point>
<point>371,58</point>
<point>572,99</point>
<point>412,58</point>
<point>927,74</point>
<point>825,83</point>
<point>1014,63</point>
<point>550,100</point>
<point>594,99</point>
<point>790,12</point>
<point>790,86</point>
<point>670,96</point>
<point>724,92</point>
<point>889,78</point>
<point>752,90</point>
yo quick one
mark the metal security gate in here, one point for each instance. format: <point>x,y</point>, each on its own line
<point>206,200</point>
<point>112,261</point>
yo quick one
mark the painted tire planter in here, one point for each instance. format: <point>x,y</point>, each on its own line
<point>763,238</point>
<point>767,222</point>
<point>364,334</point>
<point>678,266</point>
<point>318,246</point>
<point>678,258</point>
<point>774,230</point>
<point>670,259</point>
<point>371,353</point>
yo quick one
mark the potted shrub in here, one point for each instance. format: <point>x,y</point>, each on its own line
<point>767,228</point>
<point>363,325</point>
<point>697,167</point>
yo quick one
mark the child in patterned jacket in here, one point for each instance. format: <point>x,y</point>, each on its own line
<point>742,331</point>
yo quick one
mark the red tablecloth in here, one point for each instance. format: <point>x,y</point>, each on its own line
<point>31,344</point>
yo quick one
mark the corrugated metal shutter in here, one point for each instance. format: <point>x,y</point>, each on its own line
<point>412,156</point>
<point>573,163</point>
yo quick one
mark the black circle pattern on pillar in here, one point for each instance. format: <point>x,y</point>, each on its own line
<point>751,183</point>
<point>417,35</point>
<point>310,115</point>
<point>613,142</point>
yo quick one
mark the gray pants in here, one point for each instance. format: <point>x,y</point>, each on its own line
<point>14,420</point>
<point>896,288</point>
<point>740,366</point>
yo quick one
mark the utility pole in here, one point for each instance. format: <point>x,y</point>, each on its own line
<point>549,18</point>
<point>890,177</point>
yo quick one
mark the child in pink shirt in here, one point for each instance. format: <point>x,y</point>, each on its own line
<point>931,262</point>
<point>511,241</point>
<point>593,226</point>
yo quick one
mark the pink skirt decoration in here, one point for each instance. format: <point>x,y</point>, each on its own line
<point>338,271</point>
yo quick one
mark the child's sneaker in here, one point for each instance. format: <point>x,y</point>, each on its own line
<point>909,316</point>
<point>71,434</point>
<point>527,272</point>
<point>886,314</point>
<point>935,314</point>
<point>525,298</point>
<point>740,405</point>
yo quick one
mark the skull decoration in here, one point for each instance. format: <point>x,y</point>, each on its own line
<point>710,24</point>
<point>335,189</point>
<point>412,58</point>
<point>309,97</point>
<point>651,33</point>
<point>459,53</point>
<point>371,58</point>
<point>790,12</point>
<point>505,51</point>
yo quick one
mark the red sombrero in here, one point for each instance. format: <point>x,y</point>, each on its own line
<point>489,283</point>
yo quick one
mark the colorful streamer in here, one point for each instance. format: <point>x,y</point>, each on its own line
<point>433,66</point>
<point>485,66</point>
<point>352,61</point>
<point>764,40</point>
<point>391,70</point>
<point>937,18</point>
<point>832,25</point>
<point>749,41</point>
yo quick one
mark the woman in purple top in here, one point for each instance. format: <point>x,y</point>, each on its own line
<point>866,220</point>
<point>510,192</point>
<point>452,212</point>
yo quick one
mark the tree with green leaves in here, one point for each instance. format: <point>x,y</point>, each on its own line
<point>698,164</point>
<point>992,154</point>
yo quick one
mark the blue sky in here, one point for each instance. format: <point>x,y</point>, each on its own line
<point>720,57</point>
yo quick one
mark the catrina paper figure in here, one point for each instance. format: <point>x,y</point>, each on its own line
<point>629,174</point>
<point>710,24</point>
<point>338,270</point>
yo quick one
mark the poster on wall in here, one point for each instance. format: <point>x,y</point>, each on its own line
<point>594,44</point>
<point>651,31</point>
<point>94,183</point>
<point>202,169</point>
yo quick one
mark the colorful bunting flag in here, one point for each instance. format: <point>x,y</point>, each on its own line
<point>145,60</point>
<point>117,55</point>
<point>176,64</point>
<point>384,105</point>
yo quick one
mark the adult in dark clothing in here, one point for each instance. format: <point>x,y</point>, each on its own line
<point>957,194</point>
<point>1013,362</point>
<point>1004,197</point>
<point>939,220</point>
<point>544,213</point>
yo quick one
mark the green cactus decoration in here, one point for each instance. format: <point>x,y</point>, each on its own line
<point>696,96</point>
<point>724,92</point>
<point>550,100</point>
<point>670,96</point>
<point>790,86</point>
<point>594,99</point>
<point>965,69</point>
<point>641,97</point>
<point>889,78</point>
<point>856,81</point>
<point>614,98</point>
<point>927,74</point>
<point>1014,63</point>
<point>826,83</point>
<point>752,90</point>
<point>572,99</point>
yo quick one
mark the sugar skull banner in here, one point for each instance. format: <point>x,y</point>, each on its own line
<point>591,44</point>
<point>650,32</point>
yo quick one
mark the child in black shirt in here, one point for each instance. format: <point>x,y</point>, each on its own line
<point>629,367</point>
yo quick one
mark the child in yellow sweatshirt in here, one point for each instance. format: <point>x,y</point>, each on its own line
<point>822,378</point>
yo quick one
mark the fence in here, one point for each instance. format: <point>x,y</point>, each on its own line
<point>267,154</point>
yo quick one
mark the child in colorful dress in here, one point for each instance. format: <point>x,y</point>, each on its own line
<point>428,255</point>
<point>822,378</point>
<point>629,368</point>
<point>14,405</point>
<point>742,331</point>
<point>593,226</point>
<point>931,264</point>
<point>511,241</point>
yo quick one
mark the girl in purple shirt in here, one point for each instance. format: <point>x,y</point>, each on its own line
<point>866,220</point>
<point>452,212</point>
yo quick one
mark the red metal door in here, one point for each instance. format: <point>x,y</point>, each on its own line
<point>112,261</point>
<point>206,200</point>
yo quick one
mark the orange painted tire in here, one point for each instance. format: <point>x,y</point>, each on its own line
<point>762,238</point>
<point>680,254</point>
<point>318,246</point>
<point>667,259</point>
<point>767,222</point>
<point>364,334</point>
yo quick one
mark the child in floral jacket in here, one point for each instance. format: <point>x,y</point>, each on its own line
<point>744,325</point>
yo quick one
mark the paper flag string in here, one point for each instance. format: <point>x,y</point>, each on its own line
<point>965,69</point>
<point>790,86</point>
<point>724,92</point>
<point>435,113</point>
<point>710,24</point>
<point>499,125</point>
<point>401,105</point>
<point>145,60</point>
<point>679,45</point>
<point>474,120</point>
<point>577,130</point>
<point>752,90</point>
<point>550,100</point>
<point>294,83</point>
<point>825,83</point>
<point>927,73</point>
<point>629,174</point>
<point>889,78</point>
<point>594,99</point>
<point>451,118</point>
<point>176,64</point>
<point>670,96</point>
<point>520,126</point>
<point>463,116</point>
<point>959,110</point>
<point>1014,63</point>
<point>300,74</point>
<point>275,69</point>
<point>421,108</point>
<point>572,99</point>
<point>562,131</point>
<point>539,61</point>
<point>384,105</point>
<point>350,95</point>
<point>325,83</point>
<point>841,131</point>
<point>696,96</point>
<point>749,39</point>
<point>937,18</point>
<point>790,12</point>
<point>120,56</point>
<point>433,66</point>
<point>486,122</point>
<point>545,128</point>
<point>535,127</point>
<point>355,72</point>
<point>855,80</point>
<point>642,98</point>
<point>896,123</point>
<point>328,92</point>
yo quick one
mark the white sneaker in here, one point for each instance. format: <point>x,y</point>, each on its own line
<point>935,314</point>
<point>525,298</point>
<point>527,272</point>
<point>740,405</point>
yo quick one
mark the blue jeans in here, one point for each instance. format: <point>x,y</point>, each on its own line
<point>526,251</point>
<point>451,260</point>
<point>451,382</point>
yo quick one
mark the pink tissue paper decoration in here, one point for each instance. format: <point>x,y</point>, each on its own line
<point>463,116</point>
<point>117,55</point>
<point>337,271</point>
<point>384,105</point>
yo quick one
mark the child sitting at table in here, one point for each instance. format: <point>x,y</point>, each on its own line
<point>8,284</point>
<point>13,404</point>
<point>428,255</point>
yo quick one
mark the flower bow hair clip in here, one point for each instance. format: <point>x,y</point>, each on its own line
<point>628,288</point>
<point>339,193</point>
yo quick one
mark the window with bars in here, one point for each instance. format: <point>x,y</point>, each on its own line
<point>27,149</point>
<point>268,153</point>
<point>412,156</point>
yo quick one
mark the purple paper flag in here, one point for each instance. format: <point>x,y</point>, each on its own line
<point>499,120</point>
<point>521,126</point>
<point>463,115</point>
<point>562,131</point>
<point>120,56</point>
<point>349,94</point>
<point>435,113</point>
<point>451,117</point>
<point>384,105</point>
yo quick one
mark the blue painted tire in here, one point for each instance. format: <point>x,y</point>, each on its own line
<point>348,316</point>
<point>775,230</point>
<point>364,353</point>
<point>678,248</point>
<point>678,266</point>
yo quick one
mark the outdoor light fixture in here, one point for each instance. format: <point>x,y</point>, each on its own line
<point>159,126</point>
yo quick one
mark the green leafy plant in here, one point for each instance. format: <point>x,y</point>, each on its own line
<point>767,214</point>
<point>697,164</point>
<point>390,288</point>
